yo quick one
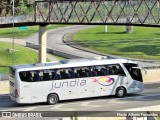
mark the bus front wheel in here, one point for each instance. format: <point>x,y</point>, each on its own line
<point>52,99</point>
<point>120,92</point>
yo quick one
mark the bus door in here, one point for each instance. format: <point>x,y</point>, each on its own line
<point>135,82</point>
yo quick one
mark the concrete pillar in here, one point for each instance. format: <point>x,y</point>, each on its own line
<point>105,28</point>
<point>129,29</point>
<point>42,44</point>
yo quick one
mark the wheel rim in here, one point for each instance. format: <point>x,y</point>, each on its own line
<point>120,93</point>
<point>53,99</point>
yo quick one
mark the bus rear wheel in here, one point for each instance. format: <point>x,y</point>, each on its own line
<point>52,99</point>
<point>120,92</point>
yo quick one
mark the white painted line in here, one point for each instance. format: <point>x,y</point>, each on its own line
<point>57,106</point>
<point>86,104</point>
<point>116,101</point>
<point>61,108</point>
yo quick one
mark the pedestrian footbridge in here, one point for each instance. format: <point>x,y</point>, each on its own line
<point>90,12</point>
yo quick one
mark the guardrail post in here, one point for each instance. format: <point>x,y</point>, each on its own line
<point>42,44</point>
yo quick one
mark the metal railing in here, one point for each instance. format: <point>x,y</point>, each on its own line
<point>17,19</point>
<point>98,11</point>
<point>127,12</point>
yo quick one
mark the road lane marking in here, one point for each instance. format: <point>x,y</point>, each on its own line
<point>88,104</point>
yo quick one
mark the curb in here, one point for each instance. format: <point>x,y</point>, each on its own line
<point>51,51</point>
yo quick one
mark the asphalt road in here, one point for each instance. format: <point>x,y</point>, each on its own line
<point>55,41</point>
<point>150,96</point>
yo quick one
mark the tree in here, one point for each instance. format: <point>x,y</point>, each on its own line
<point>21,7</point>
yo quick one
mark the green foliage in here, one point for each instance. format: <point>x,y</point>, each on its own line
<point>75,117</point>
<point>143,43</point>
<point>21,7</point>
<point>24,9</point>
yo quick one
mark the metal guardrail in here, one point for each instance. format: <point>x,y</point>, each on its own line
<point>4,76</point>
<point>51,51</point>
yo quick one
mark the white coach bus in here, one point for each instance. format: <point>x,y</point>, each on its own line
<point>74,79</point>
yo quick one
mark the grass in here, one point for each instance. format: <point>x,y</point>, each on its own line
<point>22,55</point>
<point>143,43</point>
<point>7,32</point>
<point>59,57</point>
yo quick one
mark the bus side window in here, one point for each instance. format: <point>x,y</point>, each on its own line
<point>26,76</point>
<point>22,76</point>
<point>64,74</point>
<point>76,74</point>
<point>110,70</point>
<point>46,75</point>
<point>98,71</point>
<point>57,75</point>
<point>82,72</point>
<point>29,77</point>
<point>115,70</point>
<point>93,72</point>
<point>36,76</point>
<point>71,73</point>
<point>103,71</point>
<point>52,74</point>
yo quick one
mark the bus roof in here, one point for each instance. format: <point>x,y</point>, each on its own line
<point>71,63</point>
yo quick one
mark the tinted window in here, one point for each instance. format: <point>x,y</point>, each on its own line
<point>115,69</point>
<point>134,72</point>
<point>26,76</point>
<point>98,71</point>
<point>69,73</point>
<point>64,74</point>
<point>82,72</point>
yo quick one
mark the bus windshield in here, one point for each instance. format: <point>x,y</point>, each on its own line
<point>134,71</point>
